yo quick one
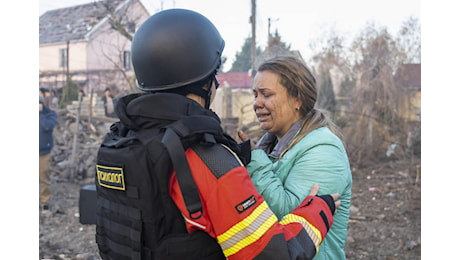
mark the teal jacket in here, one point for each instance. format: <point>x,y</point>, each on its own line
<point>319,157</point>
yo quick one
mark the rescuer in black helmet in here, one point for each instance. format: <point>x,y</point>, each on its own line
<point>177,51</point>
<point>171,183</point>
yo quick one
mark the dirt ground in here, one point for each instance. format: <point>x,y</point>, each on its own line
<point>385,220</point>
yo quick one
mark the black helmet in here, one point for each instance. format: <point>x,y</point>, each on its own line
<point>174,48</point>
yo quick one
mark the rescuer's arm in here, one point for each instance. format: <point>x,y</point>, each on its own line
<point>239,218</point>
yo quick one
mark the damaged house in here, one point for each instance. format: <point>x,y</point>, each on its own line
<point>88,46</point>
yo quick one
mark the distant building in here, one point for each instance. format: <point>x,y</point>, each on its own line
<point>80,43</point>
<point>234,103</point>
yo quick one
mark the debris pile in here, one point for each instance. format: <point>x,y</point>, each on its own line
<point>77,136</point>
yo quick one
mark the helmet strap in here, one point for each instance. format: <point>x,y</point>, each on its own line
<point>208,97</point>
<point>197,89</point>
<point>204,93</point>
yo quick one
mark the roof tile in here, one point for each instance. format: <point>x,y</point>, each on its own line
<point>72,23</point>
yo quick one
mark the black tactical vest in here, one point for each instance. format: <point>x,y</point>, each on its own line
<point>136,217</point>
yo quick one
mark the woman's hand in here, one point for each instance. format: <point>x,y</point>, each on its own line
<point>243,137</point>
<point>314,190</point>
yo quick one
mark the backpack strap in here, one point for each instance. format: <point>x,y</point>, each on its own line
<point>184,176</point>
<point>176,133</point>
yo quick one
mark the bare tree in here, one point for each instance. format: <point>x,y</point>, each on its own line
<point>409,41</point>
<point>376,123</point>
<point>118,20</point>
<point>125,25</point>
<point>367,99</point>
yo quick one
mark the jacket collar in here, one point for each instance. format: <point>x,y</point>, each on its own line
<point>269,141</point>
<point>143,110</point>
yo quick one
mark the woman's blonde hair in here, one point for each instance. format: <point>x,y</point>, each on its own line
<point>300,83</point>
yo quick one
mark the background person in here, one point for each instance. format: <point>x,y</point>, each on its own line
<point>109,105</point>
<point>300,148</point>
<point>45,93</point>
<point>47,122</point>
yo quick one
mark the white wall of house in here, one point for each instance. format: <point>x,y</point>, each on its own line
<point>49,56</point>
<point>105,50</point>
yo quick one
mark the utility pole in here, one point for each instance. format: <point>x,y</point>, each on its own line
<point>269,27</point>
<point>269,24</point>
<point>253,44</point>
<point>67,72</point>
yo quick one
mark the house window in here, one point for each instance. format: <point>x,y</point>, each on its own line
<point>62,58</point>
<point>131,27</point>
<point>127,60</point>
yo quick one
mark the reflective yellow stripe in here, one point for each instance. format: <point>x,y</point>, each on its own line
<point>247,231</point>
<point>312,231</point>
<point>243,223</point>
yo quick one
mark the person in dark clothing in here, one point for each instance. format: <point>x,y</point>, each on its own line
<point>108,103</point>
<point>176,54</point>
<point>47,122</point>
<point>45,93</point>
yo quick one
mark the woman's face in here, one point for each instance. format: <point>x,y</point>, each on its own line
<point>275,109</point>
